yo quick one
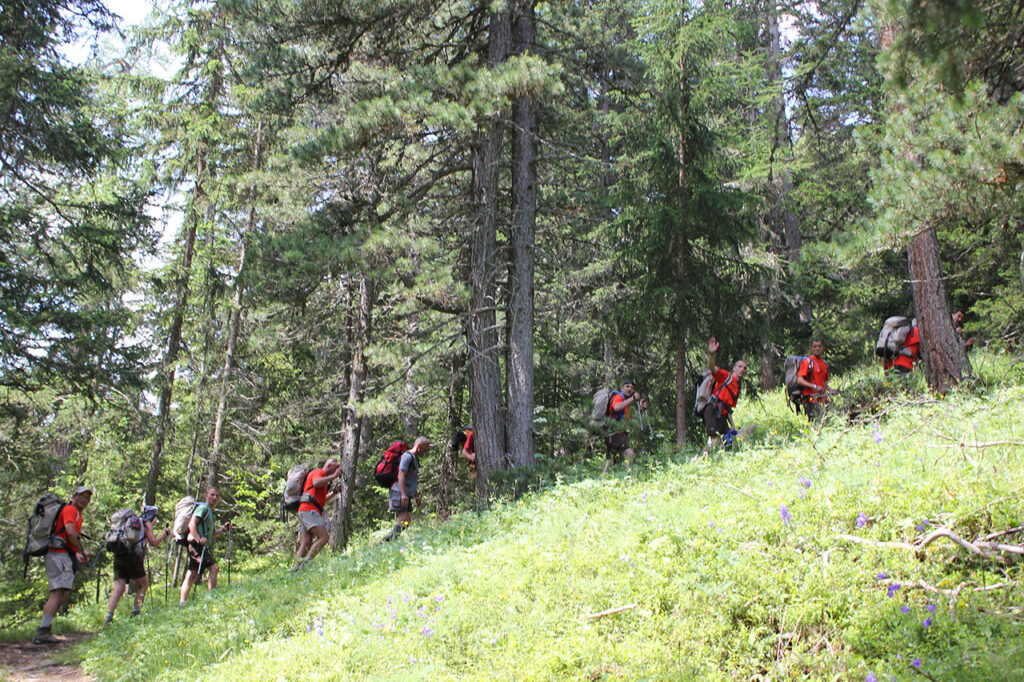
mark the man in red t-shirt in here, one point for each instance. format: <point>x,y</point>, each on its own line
<point>469,452</point>
<point>312,522</point>
<point>718,412</point>
<point>903,362</point>
<point>60,565</point>
<point>812,376</point>
<point>618,409</point>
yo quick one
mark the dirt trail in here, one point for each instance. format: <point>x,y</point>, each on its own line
<point>28,662</point>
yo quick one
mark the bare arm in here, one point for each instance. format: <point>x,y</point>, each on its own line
<point>713,347</point>
<point>152,539</point>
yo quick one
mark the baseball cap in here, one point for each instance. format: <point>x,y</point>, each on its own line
<point>82,489</point>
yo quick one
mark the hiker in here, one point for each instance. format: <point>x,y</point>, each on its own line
<point>903,362</point>
<point>812,377</point>
<point>201,532</point>
<point>617,443</point>
<point>717,413</point>
<point>469,452</point>
<point>958,326</point>
<point>62,565</point>
<point>312,523</point>
<point>404,490</point>
<point>130,567</point>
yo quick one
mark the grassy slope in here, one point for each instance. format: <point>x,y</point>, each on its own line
<point>724,587</point>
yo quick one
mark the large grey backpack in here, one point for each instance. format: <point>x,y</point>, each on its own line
<point>126,534</point>
<point>182,515</point>
<point>702,392</point>
<point>890,339</point>
<point>41,526</point>
<point>599,410</point>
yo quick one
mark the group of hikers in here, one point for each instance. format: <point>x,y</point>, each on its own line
<point>718,392</point>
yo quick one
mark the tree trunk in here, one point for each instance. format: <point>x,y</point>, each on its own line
<point>521,292</point>
<point>682,256</point>
<point>450,457</point>
<point>341,526</point>
<point>482,332</point>
<point>944,358</point>
<point>234,324</point>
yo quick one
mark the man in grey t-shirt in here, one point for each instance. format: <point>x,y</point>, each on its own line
<point>403,491</point>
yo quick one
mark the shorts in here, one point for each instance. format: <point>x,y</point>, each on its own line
<point>195,551</point>
<point>715,423</point>
<point>308,520</point>
<point>395,501</point>
<point>617,443</point>
<point>60,571</point>
<point>128,566</point>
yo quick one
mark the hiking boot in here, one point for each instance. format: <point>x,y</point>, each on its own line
<point>135,612</point>
<point>108,620</point>
<point>43,636</point>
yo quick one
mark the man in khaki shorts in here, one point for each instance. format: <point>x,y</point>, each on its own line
<point>60,564</point>
<point>312,522</point>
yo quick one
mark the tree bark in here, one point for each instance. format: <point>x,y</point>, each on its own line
<point>450,456</point>
<point>482,332</point>
<point>234,324</point>
<point>519,373</point>
<point>341,521</point>
<point>682,257</point>
<point>945,360</point>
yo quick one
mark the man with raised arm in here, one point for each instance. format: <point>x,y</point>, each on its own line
<point>726,392</point>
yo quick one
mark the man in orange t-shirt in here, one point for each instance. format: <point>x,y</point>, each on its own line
<point>726,393</point>
<point>618,409</point>
<point>60,565</point>
<point>312,522</point>
<point>903,362</point>
<point>812,375</point>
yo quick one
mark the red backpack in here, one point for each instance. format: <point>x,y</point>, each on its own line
<point>386,471</point>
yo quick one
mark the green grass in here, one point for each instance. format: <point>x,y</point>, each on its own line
<point>724,587</point>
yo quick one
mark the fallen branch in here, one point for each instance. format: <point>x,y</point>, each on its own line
<point>989,444</point>
<point>609,612</point>
<point>981,547</point>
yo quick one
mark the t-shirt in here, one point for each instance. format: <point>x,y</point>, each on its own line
<point>410,464</point>
<point>911,344</point>
<point>814,370</point>
<point>727,392</point>
<point>69,514</point>
<point>616,399</point>
<point>207,520</point>
<point>318,494</point>
<point>470,446</point>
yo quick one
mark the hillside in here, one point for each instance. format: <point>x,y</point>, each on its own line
<point>729,568</point>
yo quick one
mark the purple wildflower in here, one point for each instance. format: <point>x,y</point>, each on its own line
<point>927,622</point>
<point>862,520</point>
<point>931,607</point>
<point>905,609</point>
<point>643,500</point>
<point>877,435</point>
<point>920,528</point>
<point>800,493</point>
<point>881,576</point>
<point>784,514</point>
<point>426,632</point>
<point>805,482</point>
<point>439,597</point>
<point>892,589</point>
<point>422,612</point>
<point>916,663</point>
<point>871,678</point>
<point>711,524</point>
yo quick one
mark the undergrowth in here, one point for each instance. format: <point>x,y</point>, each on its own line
<point>723,567</point>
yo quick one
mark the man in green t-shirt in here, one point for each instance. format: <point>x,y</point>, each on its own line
<point>202,529</point>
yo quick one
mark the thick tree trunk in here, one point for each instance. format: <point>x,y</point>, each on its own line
<point>341,514</point>
<point>482,332</point>
<point>524,218</point>
<point>450,457</point>
<point>944,358</point>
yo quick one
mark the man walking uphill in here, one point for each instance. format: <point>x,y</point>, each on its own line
<point>726,392</point>
<point>404,490</point>
<point>618,409</point>
<point>201,532</point>
<point>62,560</point>
<point>311,512</point>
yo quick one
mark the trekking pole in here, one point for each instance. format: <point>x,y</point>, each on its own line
<point>167,563</point>
<point>99,561</point>
<point>228,558</point>
<point>199,572</point>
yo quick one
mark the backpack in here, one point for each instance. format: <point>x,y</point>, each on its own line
<point>702,389</point>
<point>295,490</point>
<point>890,339</point>
<point>182,515</point>
<point>460,438</point>
<point>126,533</point>
<point>41,526</point>
<point>792,367</point>
<point>386,471</point>
<point>601,410</point>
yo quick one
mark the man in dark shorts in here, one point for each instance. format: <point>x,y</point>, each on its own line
<point>201,532</point>
<point>726,392</point>
<point>130,566</point>
<point>405,489</point>
<point>617,444</point>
